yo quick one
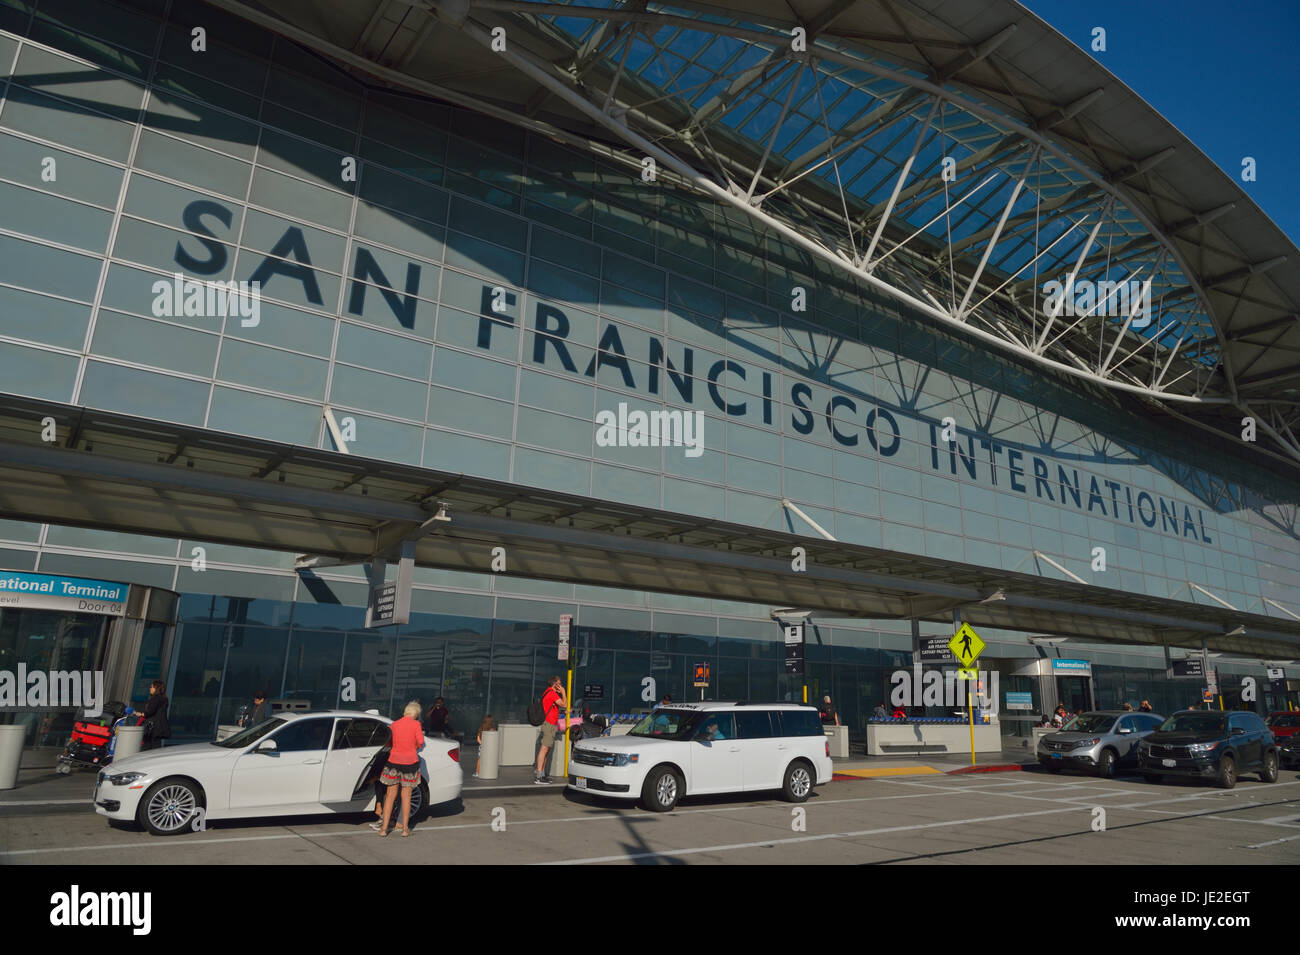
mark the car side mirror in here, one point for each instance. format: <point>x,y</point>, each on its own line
<point>1238,732</point>
<point>1123,730</point>
<point>267,746</point>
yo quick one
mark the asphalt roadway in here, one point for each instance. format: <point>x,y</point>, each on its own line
<point>907,811</point>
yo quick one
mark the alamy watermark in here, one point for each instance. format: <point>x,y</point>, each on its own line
<point>920,687</point>
<point>52,689</point>
<point>75,907</point>
<point>651,429</point>
<point>204,299</point>
<point>1083,297</point>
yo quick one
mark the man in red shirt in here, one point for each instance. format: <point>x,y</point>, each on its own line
<point>552,702</point>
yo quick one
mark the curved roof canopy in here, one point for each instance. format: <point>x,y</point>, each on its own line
<point>958,155</point>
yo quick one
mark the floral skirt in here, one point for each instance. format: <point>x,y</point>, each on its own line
<point>407,776</point>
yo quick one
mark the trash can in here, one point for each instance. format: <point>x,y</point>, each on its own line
<point>489,754</point>
<point>129,741</point>
<point>11,753</point>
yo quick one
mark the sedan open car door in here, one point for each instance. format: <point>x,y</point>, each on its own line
<point>356,755</point>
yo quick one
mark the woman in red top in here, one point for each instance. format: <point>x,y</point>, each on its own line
<point>403,768</point>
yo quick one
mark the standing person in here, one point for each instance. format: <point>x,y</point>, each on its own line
<point>261,708</point>
<point>828,714</point>
<point>403,768</point>
<point>488,724</point>
<point>552,702</point>
<point>438,720</point>
<point>156,728</point>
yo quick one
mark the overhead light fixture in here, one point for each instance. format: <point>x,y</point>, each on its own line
<point>790,614</point>
<point>994,597</point>
<point>1048,641</point>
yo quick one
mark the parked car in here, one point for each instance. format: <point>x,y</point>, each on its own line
<point>292,764</point>
<point>1283,724</point>
<point>1210,744</point>
<point>1100,741</point>
<point>1288,752</point>
<point>698,748</point>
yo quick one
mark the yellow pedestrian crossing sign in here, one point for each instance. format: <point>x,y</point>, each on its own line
<point>966,645</point>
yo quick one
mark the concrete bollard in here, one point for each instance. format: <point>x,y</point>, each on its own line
<point>11,753</point>
<point>489,755</point>
<point>129,741</point>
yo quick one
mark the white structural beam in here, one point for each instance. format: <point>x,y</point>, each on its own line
<point>1065,570</point>
<point>454,15</point>
<point>903,173</point>
<point>790,505</point>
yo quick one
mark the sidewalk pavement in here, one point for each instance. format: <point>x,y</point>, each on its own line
<point>40,782</point>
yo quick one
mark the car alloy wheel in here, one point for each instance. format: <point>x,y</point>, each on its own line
<point>798,782</point>
<point>170,807</point>
<point>1269,773</point>
<point>666,789</point>
<point>1227,772</point>
<point>661,789</point>
<point>1106,764</point>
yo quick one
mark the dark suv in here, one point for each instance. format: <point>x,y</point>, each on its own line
<point>1210,744</point>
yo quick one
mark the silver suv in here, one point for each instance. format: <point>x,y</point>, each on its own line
<point>1099,741</point>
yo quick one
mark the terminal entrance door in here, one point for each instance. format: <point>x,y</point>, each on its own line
<point>1075,693</point>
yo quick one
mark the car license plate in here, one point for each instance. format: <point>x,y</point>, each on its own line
<point>1169,762</point>
<point>580,782</point>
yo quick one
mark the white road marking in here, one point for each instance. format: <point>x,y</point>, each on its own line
<point>1285,822</point>
<point>608,815</point>
<point>1274,842</point>
<point>830,835</point>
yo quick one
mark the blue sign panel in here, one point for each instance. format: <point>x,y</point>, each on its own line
<point>50,592</point>
<point>1072,666</point>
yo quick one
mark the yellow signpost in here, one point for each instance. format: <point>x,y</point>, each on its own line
<point>966,646</point>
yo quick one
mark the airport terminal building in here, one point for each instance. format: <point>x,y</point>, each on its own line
<point>686,321</point>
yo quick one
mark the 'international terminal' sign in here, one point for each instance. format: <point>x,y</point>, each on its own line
<point>46,592</point>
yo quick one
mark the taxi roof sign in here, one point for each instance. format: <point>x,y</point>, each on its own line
<point>966,645</point>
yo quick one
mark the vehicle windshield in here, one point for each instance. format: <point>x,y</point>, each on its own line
<point>1089,723</point>
<point>1194,723</point>
<point>250,735</point>
<point>1284,719</point>
<point>667,724</point>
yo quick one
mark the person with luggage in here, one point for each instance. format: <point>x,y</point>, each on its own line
<point>156,728</point>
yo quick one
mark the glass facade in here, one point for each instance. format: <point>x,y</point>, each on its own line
<point>469,297</point>
<point>232,648</point>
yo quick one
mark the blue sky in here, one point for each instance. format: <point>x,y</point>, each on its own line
<point>1226,74</point>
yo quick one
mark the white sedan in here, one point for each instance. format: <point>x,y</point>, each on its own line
<point>292,764</point>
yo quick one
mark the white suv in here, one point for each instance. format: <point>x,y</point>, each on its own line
<point>690,749</point>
